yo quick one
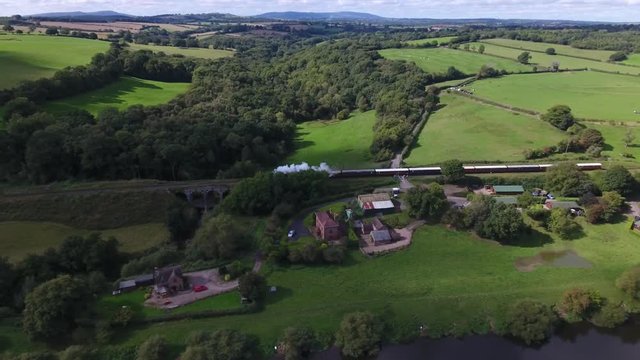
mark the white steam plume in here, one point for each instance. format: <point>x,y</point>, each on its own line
<point>294,168</point>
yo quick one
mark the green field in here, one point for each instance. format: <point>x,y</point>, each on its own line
<point>445,277</point>
<point>565,62</point>
<point>20,238</point>
<point>339,143</point>
<point>633,59</point>
<point>614,143</point>
<point>193,52</point>
<point>31,57</point>
<point>440,59</point>
<point>123,93</point>
<point>590,95</point>
<point>470,131</point>
<point>440,40</point>
<point>600,55</point>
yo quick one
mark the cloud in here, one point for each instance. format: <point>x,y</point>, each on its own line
<point>604,10</point>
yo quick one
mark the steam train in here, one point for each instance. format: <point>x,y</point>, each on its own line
<point>471,169</point>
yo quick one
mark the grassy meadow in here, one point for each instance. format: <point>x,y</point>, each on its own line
<point>599,55</point>
<point>614,141</point>
<point>440,59</point>
<point>31,57</point>
<point>193,52</point>
<point>121,94</point>
<point>443,40</point>
<point>471,131</point>
<point>444,278</point>
<point>590,95</point>
<point>633,60</point>
<point>566,62</point>
<point>339,143</point>
<point>21,238</point>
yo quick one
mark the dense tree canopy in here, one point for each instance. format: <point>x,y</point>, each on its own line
<point>530,321</point>
<point>427,202</point>
<point>618,178</point>
<point>559,116</point>
<point>51,308</point>
<point>222,344</point>
<point>565,179</point>
<point>359,335</point>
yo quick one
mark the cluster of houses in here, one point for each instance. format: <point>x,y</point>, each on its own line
<point>372,230</point>
<point>507,194</point>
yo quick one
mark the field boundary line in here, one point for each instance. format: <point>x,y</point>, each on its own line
<point>531,113</point>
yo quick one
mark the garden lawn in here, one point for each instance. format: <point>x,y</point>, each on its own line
<point>440,40</point>
<point>470,131</point>
<point>121,94</point>
<point>107,305</point>
<point>565,62</point>
<point>445,277</point>
<point>591,95</point>
<point>20,238</point>
<point>440,59</point>
<point>193,52</point>
<point>339,143</point>
<point>31,57</point>
<point>599,55</point>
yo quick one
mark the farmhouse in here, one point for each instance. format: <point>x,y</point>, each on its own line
<point>327,228</point>
<point>168,280</point>
<point>506,189</point>
<point>376,203</point>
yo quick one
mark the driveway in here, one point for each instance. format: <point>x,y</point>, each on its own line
<point>209,278</point>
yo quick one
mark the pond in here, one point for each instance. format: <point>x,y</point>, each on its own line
<point>564,259</point>
<point>581,341</point>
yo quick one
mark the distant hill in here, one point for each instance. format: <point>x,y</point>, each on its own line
<point>318,16</point>
<point>79,15</point>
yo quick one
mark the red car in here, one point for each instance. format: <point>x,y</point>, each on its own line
<point>199,288</point>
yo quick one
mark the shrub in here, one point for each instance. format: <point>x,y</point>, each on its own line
<point>618,56</point>
<point>577,304</point>
<point>154,348</point>
<point>610,316</point>
<point>629,282</point>
<point>559,116</point>
<point>297,342</point>
<point>359,335</point>
<point>530,321</point>
<point>561,223</point>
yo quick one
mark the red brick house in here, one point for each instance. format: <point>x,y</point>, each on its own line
<point>327,228</point>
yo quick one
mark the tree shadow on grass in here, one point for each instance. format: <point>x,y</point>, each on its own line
<point>280,294</point>
<point>532,238</point>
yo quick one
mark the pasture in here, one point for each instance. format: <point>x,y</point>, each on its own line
<point>447,280</point>
<point>31,57</point>
<point>633,60</point>
<point>614,141</point>
<point>121,94</point>
<point>20,238</point>
<point>444,40</point>
<point>339,143</point>
<point>440,59</point>
<point>470,131</point>
<point>591,95</point>
<point>565,62</point>
<point>193,52</point>
<point>598,55</point>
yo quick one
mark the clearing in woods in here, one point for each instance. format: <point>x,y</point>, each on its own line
<point>591,95</point>
<point>121,94</point>
<point>193,52</point>
<point>470,131</point>
<point>31,57</point>
<point>339,143</point>
<point>440,59</point>
<point>21,238</point>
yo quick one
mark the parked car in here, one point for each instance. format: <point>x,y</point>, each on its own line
<point>291,234</point>
<point>550,197</point>
<point>199,288</point>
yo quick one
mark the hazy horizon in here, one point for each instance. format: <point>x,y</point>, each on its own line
<point>584,10</point>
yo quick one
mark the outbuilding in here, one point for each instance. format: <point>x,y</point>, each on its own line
<point>508,189</point>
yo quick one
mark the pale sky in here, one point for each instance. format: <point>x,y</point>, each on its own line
<point>599,10</point>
